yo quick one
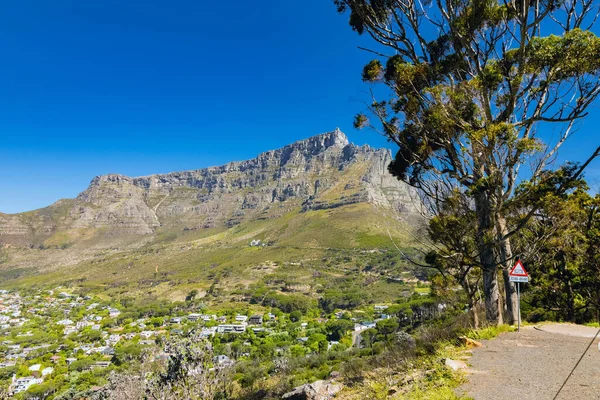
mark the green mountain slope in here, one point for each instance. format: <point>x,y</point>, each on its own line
<point>322,209</point>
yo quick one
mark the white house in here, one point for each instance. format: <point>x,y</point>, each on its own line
<point>69,330</point>
<point>113,312</point>
<point>194,317</point>
<point>113,339</point>
<point>223,360</point>
<point>22,384</point>
<point>241,318</point>
<point>82,324</point>
<point>35,368</point>
<point>146,334</point>
<point>231,328</point>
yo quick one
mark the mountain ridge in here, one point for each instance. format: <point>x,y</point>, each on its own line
<point>305,173</point>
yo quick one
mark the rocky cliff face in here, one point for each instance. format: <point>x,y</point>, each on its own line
<point>321,172</point>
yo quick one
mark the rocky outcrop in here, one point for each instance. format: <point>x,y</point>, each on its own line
<point>324,171</point>
<point>319,390</point>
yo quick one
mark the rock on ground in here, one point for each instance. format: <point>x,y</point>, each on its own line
<point>319,390</point>
<point>455,364</point>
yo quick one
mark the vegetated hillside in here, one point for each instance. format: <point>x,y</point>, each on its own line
<point>321,209</point>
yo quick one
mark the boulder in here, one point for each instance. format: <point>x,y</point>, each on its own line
<point>470,343</point>
<point>455,364</point>
<point>319,390</point>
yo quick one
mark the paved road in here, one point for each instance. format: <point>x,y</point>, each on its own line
<point>356,337</point>
<point>533,364</point>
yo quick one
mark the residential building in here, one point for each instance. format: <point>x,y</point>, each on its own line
<point>241,318</point>
<point>231,328</point>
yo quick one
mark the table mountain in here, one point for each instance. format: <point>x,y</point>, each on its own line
<point>322,172</point>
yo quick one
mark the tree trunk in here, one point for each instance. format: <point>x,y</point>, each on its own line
<point>485,245</point>
<point>492,297</point>
<point>475,318</point>
<point>471,300</point>
<point>510,290</point>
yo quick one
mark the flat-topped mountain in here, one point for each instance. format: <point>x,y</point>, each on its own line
<point>322,172</point>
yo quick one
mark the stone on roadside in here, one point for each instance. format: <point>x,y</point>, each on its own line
<point>455,364</point>
<point>470,343</point>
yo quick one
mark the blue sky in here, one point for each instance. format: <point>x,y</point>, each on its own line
<point>137,88</point>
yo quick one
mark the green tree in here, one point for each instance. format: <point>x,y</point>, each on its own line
<point>471,85</point>
<point>90,335</point>
<point>454,229</point>
<point>561,245</point>
<point>41,391</point>
<point>295,316</point>
<point>81,365</point>
<point>156,321</point>
<point>125,355</point>
<point>386,330</point>
<point>191,295</point>
<point>337,328</point>
<point>317,342</point>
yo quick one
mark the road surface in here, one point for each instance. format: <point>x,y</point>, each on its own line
<point>534,363</point>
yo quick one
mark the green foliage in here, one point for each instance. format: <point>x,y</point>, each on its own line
<point>489,332</point>
<point>90,336</point>
<point>156,321</point>
<point>288,303</point>
<point>373,71</point>
<point>7,373</point>
<point>127,354</point>
<point>81,365</point>
<point>317,342</point>
<point>191,295</point>
<point>42,390</point>
<point>295,316</point>
<point>575,53</point>
<point>346,298</point>
<point>338,328</point>
<point>565,283</point>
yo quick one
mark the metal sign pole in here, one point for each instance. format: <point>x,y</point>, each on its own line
<point>519,304</point>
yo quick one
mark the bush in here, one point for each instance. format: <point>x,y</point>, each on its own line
<point>295,316</point>
<point>540,314</point>
<point>353,370</point>
<point>444,330</point>
<point>81,365</point>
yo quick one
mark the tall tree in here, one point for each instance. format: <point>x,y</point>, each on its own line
<point>472,86</point>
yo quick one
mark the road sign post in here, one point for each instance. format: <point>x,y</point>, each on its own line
<point>518,274</point>
<point>519,303</point>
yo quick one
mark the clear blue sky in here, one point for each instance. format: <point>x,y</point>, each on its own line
<point>132,87</point>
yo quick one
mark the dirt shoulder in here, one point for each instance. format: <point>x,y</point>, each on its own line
<point>533,364</point>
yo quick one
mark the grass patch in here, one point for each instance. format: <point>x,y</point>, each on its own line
<point>489,333</point>
<point>436,393</point>
<point>423,290</point>
<point>440,382</point>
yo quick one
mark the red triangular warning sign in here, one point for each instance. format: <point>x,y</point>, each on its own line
<point>518,270</point>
